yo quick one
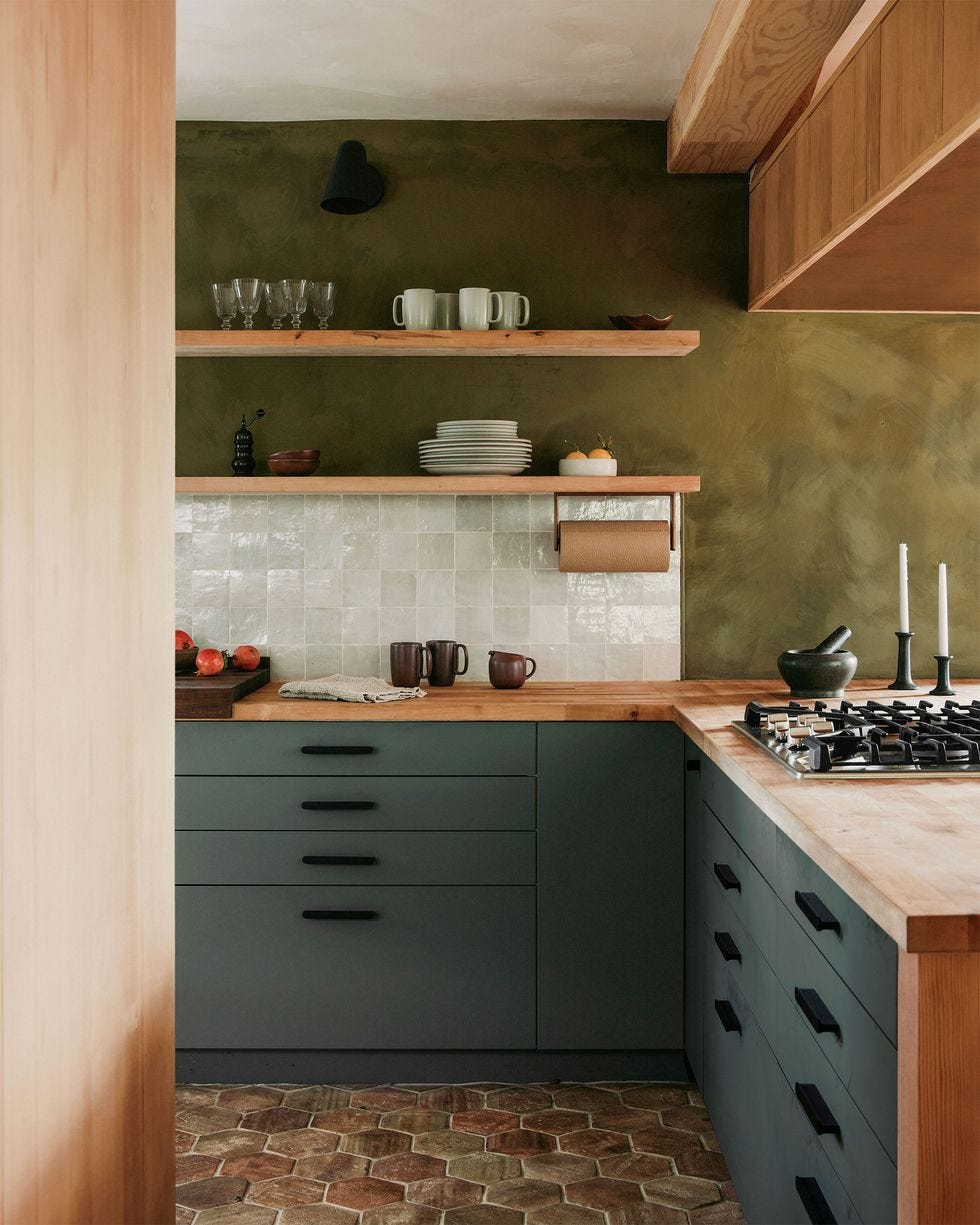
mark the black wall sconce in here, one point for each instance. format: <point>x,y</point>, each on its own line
<point>354,186</point>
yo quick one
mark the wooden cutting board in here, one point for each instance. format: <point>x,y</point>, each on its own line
<point>212,697</point>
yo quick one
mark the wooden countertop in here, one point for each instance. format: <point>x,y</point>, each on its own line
<point>907,850</point>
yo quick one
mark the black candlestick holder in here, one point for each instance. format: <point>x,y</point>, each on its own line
<point>942,689</point>
<point>903,673</point>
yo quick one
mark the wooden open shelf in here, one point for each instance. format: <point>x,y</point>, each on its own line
<point>529,342</point>
<point>597,485</point>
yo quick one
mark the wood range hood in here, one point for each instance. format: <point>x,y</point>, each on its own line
<point>860,126</point>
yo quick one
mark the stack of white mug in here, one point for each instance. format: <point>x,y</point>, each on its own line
<point>472,310</point>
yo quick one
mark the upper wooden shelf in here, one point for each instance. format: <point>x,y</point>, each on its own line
<point>440,484</point>
<point>399,343</point>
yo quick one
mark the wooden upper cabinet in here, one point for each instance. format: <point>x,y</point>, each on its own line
<point>872,201</point>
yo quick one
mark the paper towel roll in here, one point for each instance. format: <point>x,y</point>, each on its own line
<point>617,546</point>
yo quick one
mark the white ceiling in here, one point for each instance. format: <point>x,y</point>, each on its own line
<point>433,59</point>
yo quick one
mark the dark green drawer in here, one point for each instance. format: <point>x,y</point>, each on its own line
<point>251,857</point>
<point>330,748</point>
<point>438,967</point>
<point>729,946</point>
<point>220,802</point>
<point>861,953</point>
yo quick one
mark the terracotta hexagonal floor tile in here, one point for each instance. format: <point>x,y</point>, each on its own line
<point>593,1142</point>
<point>384,1097</point>
<point>694,1096</point>
<point>345,1120</point>
<point>378,1142</point>
<point>625,1119</point>
<point>317,1214</point>
<point>258,1166</point>
<point>653,1097</point>
<point>444,1192</point>
<point>276,1118</point>
<point>316,1098</point>
<point>687,1118</point>
<point>416,1120</point>
<point>285,1192</point>
<point>559,1167</point>
<point>724,1213</point>
<point>402,1214</point>
<point>409,1167</point>
<point>484,1214</point>
<point>484,1167</point>
<point>584,1097</point>
<point>448,1143</point>
<point>485,1122</point>
<point>565,1214</point>
<point>523,1194</point>
<point>255,1097</point>
<point>188,1096</point>
<point>236,1214</point>
<point>519,1098</point>
<point>332,1167</point>
<point>211,1192</point>
<point>728,1191</point>
<point>184,1141</point>
<point>363,1192</point>
<point>666,1141</point>
<point>451,1098</point>
<point>710,1141</point>
<point>680,1192</point>
<point>231,1143</point>
<point>303,1141</point>
<point>557,1122</point>
<point>206,1120</point>
<point>521,1143</point>
<point>192,1166</point>
<point>702,1164</point>
<point>635,1167</point>
<point>603,1193</point>
<point>646,1214</point>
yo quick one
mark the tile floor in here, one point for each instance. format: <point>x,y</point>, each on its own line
<point>612,1153</point>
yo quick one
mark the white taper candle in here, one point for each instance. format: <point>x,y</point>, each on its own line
<point>943,636</point>
<point>903,588</point>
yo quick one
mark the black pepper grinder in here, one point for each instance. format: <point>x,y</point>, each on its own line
<point>243,463</point>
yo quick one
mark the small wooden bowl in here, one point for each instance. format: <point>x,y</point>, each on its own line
<point>184,659</point>
<point>293,463</point>
<point>641,323</point>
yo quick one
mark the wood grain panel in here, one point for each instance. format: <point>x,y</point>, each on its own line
<point>566,485</point>
<point>86,440</point>
<point>961,59</point>
<point>911,83</point>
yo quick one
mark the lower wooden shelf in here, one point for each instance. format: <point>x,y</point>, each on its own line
<point>440,484</point>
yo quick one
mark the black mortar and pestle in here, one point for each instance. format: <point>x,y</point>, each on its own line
<point>823,671</point>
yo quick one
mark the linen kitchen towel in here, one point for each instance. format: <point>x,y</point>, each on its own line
<point>339,688</point>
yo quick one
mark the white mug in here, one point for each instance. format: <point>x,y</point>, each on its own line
<point>515,310</point>
<point>476,309</point>
<point>418,309</point>
<point>447,311</point>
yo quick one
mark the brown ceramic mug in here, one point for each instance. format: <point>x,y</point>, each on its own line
<point>444,656</point>
<point>410,661</point>
<point>508,671</point>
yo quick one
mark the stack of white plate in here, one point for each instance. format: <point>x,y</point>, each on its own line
<point>475,448</point>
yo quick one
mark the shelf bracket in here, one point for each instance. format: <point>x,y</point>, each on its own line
<point>673,514</point>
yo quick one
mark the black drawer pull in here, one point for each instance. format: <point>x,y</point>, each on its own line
<point>816,1011</point>
<point>337,750</point>
<point>694,766</point>
<point>817,1111</point>
<point>351,860</point>
<point>340,914</point>
<point>814,1205</point>
<point>727,877</point>
<point>727,1016</point>
<point>338,805</point>
<point>727,946</point>
<point>817,912</point>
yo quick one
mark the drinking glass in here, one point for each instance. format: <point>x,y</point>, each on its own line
<point>297,292</point>
<point>322,296</point>
<point>225,302</point>
<point>276,306</point>
<point>248,290</point>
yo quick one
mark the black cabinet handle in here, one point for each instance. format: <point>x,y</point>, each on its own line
<point>817,912</point>
<point>337,750</point>
<point>817,1111</point>
<point>338,805</point>
<point>814,1205</point>
<point>694,766</point>
<point>340,914</point>
<point>816,1011</point>
<point>728,947</point>
<point>346,860</point>
<point>727,1016</point>
<point>727,877</point>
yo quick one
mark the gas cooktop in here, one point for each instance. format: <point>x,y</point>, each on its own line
<point>867,739</point>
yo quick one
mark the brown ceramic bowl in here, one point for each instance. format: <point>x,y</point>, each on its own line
<point>293,463</point>
<point>185,659</point>
<point>641,323</point>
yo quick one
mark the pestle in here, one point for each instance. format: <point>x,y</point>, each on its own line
<point>833,642</point>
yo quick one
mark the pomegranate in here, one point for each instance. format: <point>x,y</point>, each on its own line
<point>245,659</point>
<point>183,641</point>
<point>210,662</point>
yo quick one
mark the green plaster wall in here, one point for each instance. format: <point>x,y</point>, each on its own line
<point>822,440</point>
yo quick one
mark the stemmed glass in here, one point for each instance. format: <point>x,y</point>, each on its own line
<point>296,292</point>
<point>225,303</point>
<point>276,306</point>
<point>248,290</point>
<point>322,296</point>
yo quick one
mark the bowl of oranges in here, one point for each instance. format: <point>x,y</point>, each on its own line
<point>599,461</point>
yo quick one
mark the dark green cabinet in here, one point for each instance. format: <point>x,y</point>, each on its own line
<point>610,886</point>
<point>693,912</point>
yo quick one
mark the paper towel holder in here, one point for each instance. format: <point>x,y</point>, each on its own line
<point>673,515</point>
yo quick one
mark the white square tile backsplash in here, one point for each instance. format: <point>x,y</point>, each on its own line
<point>323,583</point>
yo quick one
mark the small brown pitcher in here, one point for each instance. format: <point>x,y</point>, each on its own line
<point>509,671</point>
<point>410,661</point>
<point>444,656</point>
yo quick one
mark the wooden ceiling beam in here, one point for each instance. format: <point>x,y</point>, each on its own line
<point>754,60</point>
